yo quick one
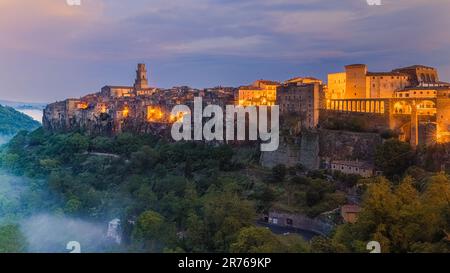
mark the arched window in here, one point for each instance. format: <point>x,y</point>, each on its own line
<point>428,78</point>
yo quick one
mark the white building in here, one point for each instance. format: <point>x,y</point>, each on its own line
<point>114,231</point>
<point>361,168</point>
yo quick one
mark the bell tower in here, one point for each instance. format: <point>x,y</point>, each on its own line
<point>141,81</point>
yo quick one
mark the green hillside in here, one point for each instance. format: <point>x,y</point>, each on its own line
<point>12,121</point>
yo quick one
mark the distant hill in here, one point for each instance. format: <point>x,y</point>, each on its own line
<point>12,121</point>
<point>23,105</point>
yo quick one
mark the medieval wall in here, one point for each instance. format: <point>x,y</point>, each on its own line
<point>344,145</point>
<point>369,121</point>
<point>314,147</point>
<point>287,154</point>
<point>443,117</point>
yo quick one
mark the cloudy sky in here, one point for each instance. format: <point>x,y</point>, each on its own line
<point>50,50</point>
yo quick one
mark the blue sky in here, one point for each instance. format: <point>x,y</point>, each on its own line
<point>50,51</point>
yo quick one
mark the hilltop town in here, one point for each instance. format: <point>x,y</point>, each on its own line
<point>335,125</point>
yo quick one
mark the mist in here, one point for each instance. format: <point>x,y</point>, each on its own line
<point>51,233</point>
<point>5,139</point>
<point>46,229</point>
<point>12,188</point>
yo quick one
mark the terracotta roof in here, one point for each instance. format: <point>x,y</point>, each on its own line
<point>268,82</point>
<point>355,65</point>
<point>386,74</point>
<point>350,209</point>
<point>249,87</point>
<point>118,86</point>
<point>359,164</point>
<point>415,66</point>
<point>305,78</point>
<point>431,88</point>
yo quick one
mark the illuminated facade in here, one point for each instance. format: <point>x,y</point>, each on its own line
<point>304,80</point>
<point>409,98</point>
<point>357,83</point>
<point>261,92</point>
<point>405,100</point>
<point>302,100</point>
<point>140,87</point>
<point>137,108</point>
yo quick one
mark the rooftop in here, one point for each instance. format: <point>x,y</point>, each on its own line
<point>350,209</point>
<point>268,82</point>
<point>358,164</point>
<point>415,67</point>
<point>393,73</point>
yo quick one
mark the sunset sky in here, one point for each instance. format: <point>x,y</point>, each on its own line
<point>50,51</point>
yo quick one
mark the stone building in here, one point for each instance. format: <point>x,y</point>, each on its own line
<point>304,80</point>
<point>138,108</point>
<point>362,168</point>
<point>404,100</point>
<point>261,92</point>
<point>358,83</point>
<point>420,75</point>
<point>349,213</point>
<point>140,87</point>
<point>113,233</point>
<point>302,100</point>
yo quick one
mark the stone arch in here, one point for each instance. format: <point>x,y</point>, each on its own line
<point>402,107</point>
<point>426,107</point>
<point>426,104</point>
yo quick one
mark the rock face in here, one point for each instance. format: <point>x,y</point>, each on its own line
<point>287,154</point>
<point>313,148</point>
<point>343,145</point>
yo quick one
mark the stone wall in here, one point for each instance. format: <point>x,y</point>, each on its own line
<point>343,145</point>
<point>288,153</point>
<point>312,147</point>
<point>299,221</point>
<point>292,151</point>
<point>369,121</point>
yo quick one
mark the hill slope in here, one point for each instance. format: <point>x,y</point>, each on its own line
<point>12,121</point>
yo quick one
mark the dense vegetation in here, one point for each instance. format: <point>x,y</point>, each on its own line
<point>171,196</point>
<point>12,121</point>
<point>11,239</point>
<point>194,197</point>
<point>413,216</point>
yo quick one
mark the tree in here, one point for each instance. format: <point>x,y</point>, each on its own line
<point>279,173</point>
<point>77,143</point>
<point>320,244</point>
<point>12,240</point>
<point>48,164</point>
<point>256,240</point>
<point>225,213</point>
<point>262,240</point>
<point>144,159</point>
<point>151,231</point>
<point>393,157</point>
<point>196,240</point>
<point>400,217</point>
<point>73,206</point>
<point>102,144</point>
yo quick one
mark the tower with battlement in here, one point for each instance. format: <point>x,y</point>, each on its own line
<point>141,81</point>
